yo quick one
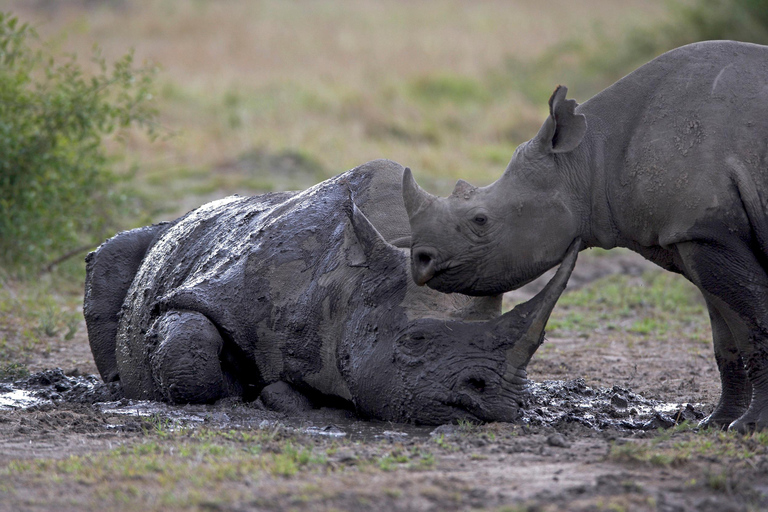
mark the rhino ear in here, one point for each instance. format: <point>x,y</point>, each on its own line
<point>564,129</point>
<point>370,243</point>
<point>414,196</point>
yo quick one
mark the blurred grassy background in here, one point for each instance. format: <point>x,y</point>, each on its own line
<point>272,94</point>
<point>313,88</point>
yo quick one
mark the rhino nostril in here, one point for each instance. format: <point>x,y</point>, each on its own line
<point>423,265</point>
<point>424,258</point>
<point>477,385</point>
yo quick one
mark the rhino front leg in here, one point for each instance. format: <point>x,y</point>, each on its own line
<point>736,389</point>
<point>282,397</point>
<point>185,364</point>
<point>730,274</point>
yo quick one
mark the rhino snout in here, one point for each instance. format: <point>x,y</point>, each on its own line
<point>423,263</point>
<point>485,398</point>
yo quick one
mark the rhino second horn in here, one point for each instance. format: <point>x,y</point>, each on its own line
<point>534,314</point>
<point>463,189</point>
<point>414,197</point>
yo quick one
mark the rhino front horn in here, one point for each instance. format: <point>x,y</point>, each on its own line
<point>526,321</point>
<point>414,197</point>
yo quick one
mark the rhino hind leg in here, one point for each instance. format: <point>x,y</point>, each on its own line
<point>731,277</point>
<point>186,365</point>
<point>110,270</point>
<point>736,390</point>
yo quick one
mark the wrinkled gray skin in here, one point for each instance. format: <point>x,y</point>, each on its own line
<point>299,299</point>
<point>671,162</point>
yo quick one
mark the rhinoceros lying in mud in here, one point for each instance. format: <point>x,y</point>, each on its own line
<point>300,291</point>
<point>671,162</point>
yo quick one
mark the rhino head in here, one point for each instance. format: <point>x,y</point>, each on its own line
<point>425,367</point>
<point>489,240</point>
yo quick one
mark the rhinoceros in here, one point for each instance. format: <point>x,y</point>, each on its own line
<point>307,292</point>
<point>671,162</point>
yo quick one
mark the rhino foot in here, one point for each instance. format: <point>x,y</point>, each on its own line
<point>756,417</point>
<point>721,418</point>
<point>282,397</point>
<point>736,393</point>
<point>755,420</point>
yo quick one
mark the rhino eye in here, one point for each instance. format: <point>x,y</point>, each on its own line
<point>480,219</point>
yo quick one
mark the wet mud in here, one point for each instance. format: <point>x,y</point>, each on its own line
<point>553,405</point>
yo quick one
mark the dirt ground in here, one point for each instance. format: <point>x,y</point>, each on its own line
<point>62,455</point>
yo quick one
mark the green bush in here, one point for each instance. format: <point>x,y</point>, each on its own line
<point>589,64</point>
<point>56,189</point>
<point>741,20</point>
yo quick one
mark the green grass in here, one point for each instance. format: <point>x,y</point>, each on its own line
<point>34,316</point>
<point>192,468</point>
<point>681,445</point>
<point>656,304</point>
<point>180,469</point>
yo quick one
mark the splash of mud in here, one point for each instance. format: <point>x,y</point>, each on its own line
<point>553,404</point>
<point>52,386</point>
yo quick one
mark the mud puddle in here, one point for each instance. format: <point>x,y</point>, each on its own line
<point>553,404</point>
<point>235,414</point>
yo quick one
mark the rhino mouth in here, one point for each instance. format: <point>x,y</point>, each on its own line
<point>444,278</point>
<point>458,412</point>
<point>447,279</point>
<point>480,411</point>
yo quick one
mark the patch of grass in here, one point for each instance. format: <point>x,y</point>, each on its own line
<point>186,468</point>
<point>680,445</point>
<point>33,317</point>
<point>467,426</point>
<point>400,457</point>
<point>454,89</point>
<point>656,304</point>
<point>12,371</point>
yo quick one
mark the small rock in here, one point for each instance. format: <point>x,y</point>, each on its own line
<point>558,441</point>
<point>619,401</point>
<point>446,430</point>
<point>658,421</point>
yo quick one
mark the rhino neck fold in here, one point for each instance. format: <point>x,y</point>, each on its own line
<point>594,163</point>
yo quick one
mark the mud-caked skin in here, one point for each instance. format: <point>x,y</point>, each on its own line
<point>671,162</point>
<point>302,297</point>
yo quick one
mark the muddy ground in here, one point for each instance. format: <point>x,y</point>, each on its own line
<point>611,426</point>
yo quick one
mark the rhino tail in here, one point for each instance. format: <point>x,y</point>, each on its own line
<point>109,272</point>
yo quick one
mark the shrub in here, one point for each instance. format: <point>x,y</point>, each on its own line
<point>589,64</point>
<point>56,189</point>
<point>742,20</point>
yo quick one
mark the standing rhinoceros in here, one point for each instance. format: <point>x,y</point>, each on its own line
<point>301,291</point>
<point>671,162</point>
